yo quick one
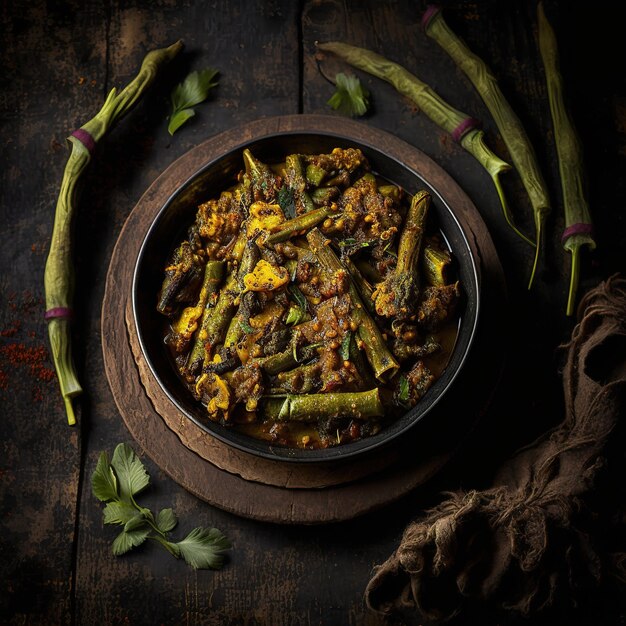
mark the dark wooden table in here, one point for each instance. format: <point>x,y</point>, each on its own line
<point>59,59</point>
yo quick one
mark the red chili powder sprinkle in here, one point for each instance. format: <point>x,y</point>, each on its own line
<point>33,357</point>
<point>12,331</point>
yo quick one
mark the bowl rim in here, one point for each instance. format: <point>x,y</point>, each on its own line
<point>366,444</point>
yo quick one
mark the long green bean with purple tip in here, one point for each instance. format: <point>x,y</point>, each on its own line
<point>578,227</point>
<point>515,137</point>
<point>461,127</point>
<point>59,272</point>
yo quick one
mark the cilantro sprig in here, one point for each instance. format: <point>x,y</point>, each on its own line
<point>117,483</point>
<point>350,97</point>
<point>403,391</point>
<point>297,312</point>
<point>192,91</point>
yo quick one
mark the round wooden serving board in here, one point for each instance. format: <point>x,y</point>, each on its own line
<point>279,491</point>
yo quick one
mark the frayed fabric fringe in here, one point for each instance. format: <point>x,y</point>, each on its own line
<point>525,544</point>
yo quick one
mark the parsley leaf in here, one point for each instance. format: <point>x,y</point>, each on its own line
<point>127,540</point>
<point>118,513</point>
<point>193,90</point>
<point>103,481</point>
<point>204,548</point>
<point>166,520</point>
<point>117,482</point>
<point>350,97</point>
<point>131,474</point>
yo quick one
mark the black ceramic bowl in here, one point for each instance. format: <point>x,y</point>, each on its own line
<point>268,143</point>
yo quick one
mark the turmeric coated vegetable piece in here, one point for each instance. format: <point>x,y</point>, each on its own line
<point>266,277</point>
<point>420,380</point>
<point>265,184</point>
<point>264,217</point>
<point>220,220</point>
<point>397,294</point>
<point>437,306</point>
<point>348,159</point>
<point>183,276</point>
<point>247,383</point>
<point>213,390</point>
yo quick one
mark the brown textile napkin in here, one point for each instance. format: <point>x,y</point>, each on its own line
<point>527,543</point>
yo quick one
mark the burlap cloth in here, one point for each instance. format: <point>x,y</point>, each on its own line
<point>531,541</point>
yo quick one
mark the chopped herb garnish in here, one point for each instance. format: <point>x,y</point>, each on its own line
<point>295,315</point>
<point>298,312</point>
<point>193,90</point>
<point>350,98</point>
<point>345,346</point>
<point>403,390</point>
<point>389,251</point>
<point>117,483</point>
<point>287,202</point>
<point>350,242</point>
<point>246,327</point>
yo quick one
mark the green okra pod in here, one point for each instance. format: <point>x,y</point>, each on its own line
<point>59,272</point>
<point>578,226</point>
<point>296,181</point>
<point>360,405</point>
<point>461,127</point>
<point>510,127</point>
<point>303,222</point>
<point>380,358</point>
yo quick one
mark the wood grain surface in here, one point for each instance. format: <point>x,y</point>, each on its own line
<point>59,58</point>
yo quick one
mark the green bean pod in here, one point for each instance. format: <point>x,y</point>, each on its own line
<point>59,272</point>
<point>460,126</point>
<point>380,358</point>
<point>508,123</point>
<point>303,222</point>
<point>578,226</point>
<point>359,405</point>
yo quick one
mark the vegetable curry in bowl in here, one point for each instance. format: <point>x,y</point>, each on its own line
<point>312,303</point>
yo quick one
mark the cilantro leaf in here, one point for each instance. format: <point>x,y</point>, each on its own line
<point>131,474</point>
<point>118,513</point>
<point>117,482</point>
<point>127,540</point>
<point>103,481</point>
<point>166,520</point>
<point>403,390</point>
<point>193,90</point>
<point>204,548</point>
<point>178,118</point>
<point>298,312</point>
<point>350,97</point>
<point>287,202</point>
<point>345,346</point>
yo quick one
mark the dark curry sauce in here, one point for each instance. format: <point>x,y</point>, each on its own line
<point>311,303</point>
